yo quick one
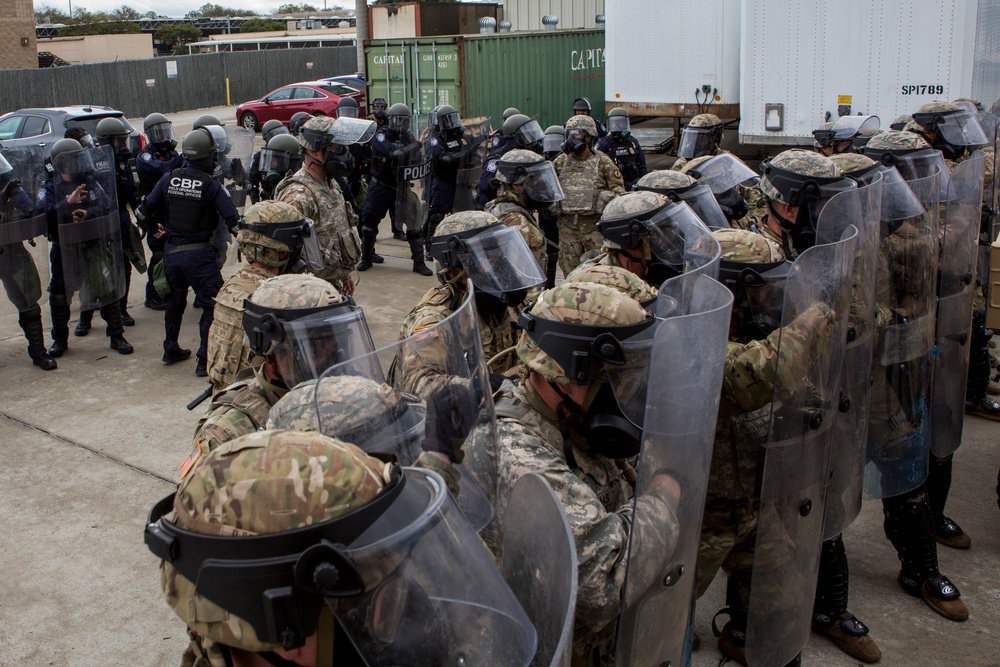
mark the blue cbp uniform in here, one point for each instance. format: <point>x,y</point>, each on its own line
<point>447,153</point>
<point>192,203</point>
<point>488,186</point>
<point>150,166</point>
<point>386,148</point>
<point>627,155</point>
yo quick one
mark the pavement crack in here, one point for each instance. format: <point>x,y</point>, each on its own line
<point>74,443</point>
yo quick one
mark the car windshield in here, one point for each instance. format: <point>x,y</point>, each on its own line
<point>339,89</point>
<point>89,123</point>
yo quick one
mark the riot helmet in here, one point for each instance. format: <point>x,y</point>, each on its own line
<point>900,121</point>
<point>899,202</point>
<point>949,128</point>
<point>159,130</point>
<point>618,122</point>
<point>205,120</point>
<point>448,119</point>
<point>723,174</point>
<point>331,137</point>
<point>797,184</point>
<point>81,135</point>
<point>582,333</point>
<point>272,128</point>
<point>276,235</point>
<point>303,325</point>
<point>68,156</point>
<point>379,110</point>
<point>113,132</point>
<point>296,122</point>
<point>524,132</point>
<point>270,530</point>
<point>701,136</point>
<point>911,155</point>
<point>617,278</point>
<point>398,118</point>
<point>282,154</point>
<point>753,268</point>
<point>532,172</point>
<point>680,187</point>
<point>347,107</point>
<point>507,113</point>
<point>493,256</point>
<point>582,105</point>
<point>581,132</point>
<point>198,146</point>
<point>553,140</point>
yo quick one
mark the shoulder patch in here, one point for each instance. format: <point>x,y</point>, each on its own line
<point>491,166</point>
<point>145,157</point>
<point>434,141</point>
<point>380,136</point>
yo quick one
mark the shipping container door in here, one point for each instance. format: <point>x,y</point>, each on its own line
<point>434,78</point>
<point>388,65</point>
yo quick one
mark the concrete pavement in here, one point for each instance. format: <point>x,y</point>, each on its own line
<point>88,449</point>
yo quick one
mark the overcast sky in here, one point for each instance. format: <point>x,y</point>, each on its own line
<point>182,7</point>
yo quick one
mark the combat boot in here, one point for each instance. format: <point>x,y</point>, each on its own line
<point>367,251</point>
<point>415,238</point>
<point>909,525</point>
<point>946,530</point>
<point>31,323</point>
<point>830,615</point>
<point>59,308</point>
<point>83,326</point>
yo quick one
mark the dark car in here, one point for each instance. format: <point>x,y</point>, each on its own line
<point>314,97</point>
<point>46,126</point>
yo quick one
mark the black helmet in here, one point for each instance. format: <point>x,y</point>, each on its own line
<point>61,152</point>
<point>448,118</point>
<point>113,132</point>
<point>399,117</point>
<point>158,128</point>
<point>582,104</point>
<point>523,131</point>
<point>297,121</point>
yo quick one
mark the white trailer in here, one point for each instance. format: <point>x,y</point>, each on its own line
<point>785,66</point>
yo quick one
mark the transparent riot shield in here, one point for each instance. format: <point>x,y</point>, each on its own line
<point>538,561</point>
<point>680,243</point>
<point>850,428</point>
<point>234,162</point>
<point>688,352</point>
<point>89,228</point>
<point>905,293</point>
<point>444,366</point>
<point>991,213</point>
<point>411,182</point>
<point>24,260</point>
<point>815,298</point>
<point>956,285</point>
<point>477,134</point>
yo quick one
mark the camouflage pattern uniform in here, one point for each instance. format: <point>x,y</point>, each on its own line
<point>316,198</point>
<point>512,209</point>
<point>589,185</point>
<point>227,355</point>
<point>259,484</point>
<point>606,271</point>
<point>701,120</point>
<point>593,492</point>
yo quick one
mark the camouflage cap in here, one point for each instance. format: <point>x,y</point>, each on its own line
<point>693,163</point>
<point>897,140</point>
<point>576,303</point>
<point>585,123</point>
<point>900,122</point>
<point>665,180</point>
<point>352,407</point>
<point>802,163</point>
<point>469,220</point>
<point>263,483</point>
<point>936,106</point>
<point>705,120</point>
<point>851,162</point>
<point>616,277</point>
<point>633,204</point>
<point>262,213</point>
<point>296,291</point>
<point>746,247</point>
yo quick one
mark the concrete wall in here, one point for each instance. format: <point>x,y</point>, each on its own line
<point>17,34</point>
<point>99,48</point>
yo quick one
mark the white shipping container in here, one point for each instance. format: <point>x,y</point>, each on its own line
<point>659,52</point>
<point>802,63</point>
<point>527,14</point>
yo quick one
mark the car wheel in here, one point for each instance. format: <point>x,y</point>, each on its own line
<point>249,121</point>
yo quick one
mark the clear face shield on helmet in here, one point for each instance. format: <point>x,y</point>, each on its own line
<point>275,160</point>
<point>706,206</point>
<point>304,343</point>
<point>495,259</point>
<point>958,128</point>
<point>300,237</point>
<point>618,124</point>
<point>552,143</point>
<point>540,182</point>
<point>347,111</point>
<point>450,121</point>
<point>810,194</point>
<point>399,123</point>
<point>916,165</point>
<point>347,131</point>
<point>395,573</point>
<point>848,127</point>
<point>759,290</point>
<point>220,140</point>
<point>78,164</point>
<point>698,141</point>
<point>723,172</point>
<point>899,202</point>
<point>529,134</point>
<point>160,133</point>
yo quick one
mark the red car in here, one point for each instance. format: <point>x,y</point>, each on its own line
<point>314,97</point>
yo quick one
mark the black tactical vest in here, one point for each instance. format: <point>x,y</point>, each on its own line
<point>187,212</point>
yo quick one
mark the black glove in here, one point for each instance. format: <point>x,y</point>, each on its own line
<point>451,414</point>
<point>495,381</point>
<point>11,189</point>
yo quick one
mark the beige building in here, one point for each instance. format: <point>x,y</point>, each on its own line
<point>17,34</point>
<point>98,48</point>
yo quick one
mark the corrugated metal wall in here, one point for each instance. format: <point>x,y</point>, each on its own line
<point>527,14</point>
<point>200,82</point>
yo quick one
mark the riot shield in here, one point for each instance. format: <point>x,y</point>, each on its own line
<point>411,181</point>
<point>24,261</point>
<point>477,134</point>
<point>431,593</point>
<point>990,220</point>
<point>89,228</point>
<point>850,427</point>
<point>680,243</point>
<point>899,404</point>
<point>956,285</point>
<point>815,298</point>
<point>538,561</point>
<point>444,365</point>
<point>234,162</point>
<point>688,352</point>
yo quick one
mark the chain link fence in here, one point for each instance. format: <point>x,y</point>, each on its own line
<point>141,87</point>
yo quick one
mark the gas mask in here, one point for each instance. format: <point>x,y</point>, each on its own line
<point>733,205</point>
<point>337,161</point>
<point>576,142</point>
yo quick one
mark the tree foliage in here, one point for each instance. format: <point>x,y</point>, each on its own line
<point>262,25</point>
<point>177,34</point>
<point>211,10</point>
<point>294,9</point>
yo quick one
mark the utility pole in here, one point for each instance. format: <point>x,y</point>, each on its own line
<point>361,33</point>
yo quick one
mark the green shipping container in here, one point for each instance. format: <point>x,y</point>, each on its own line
<point>540,73</point>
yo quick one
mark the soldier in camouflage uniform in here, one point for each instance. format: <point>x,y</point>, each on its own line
<point>290,355</point>
<point>323,492</point>
<point>457,262</point>
<point>270,237</point>
<point>544,427</point>
<point>736,201</point>
<point>590,181</point>
<point>623,149</point>
<point>528,184</point>
<point>732,506</point>
<point>701,137</point>
<point>317,196</point>
<point>617,278</point>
